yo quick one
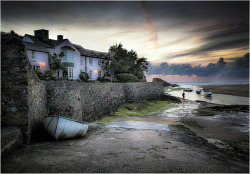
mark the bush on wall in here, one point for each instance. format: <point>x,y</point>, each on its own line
<point>84,76</point>
<point>125,77</point>
<point>39,73</point>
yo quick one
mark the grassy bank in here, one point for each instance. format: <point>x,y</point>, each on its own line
<point>237,90</point>
<point>141,108</point>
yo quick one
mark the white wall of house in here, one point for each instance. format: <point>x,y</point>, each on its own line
<point>94,67</point>
<point>38,59</point>
<point>76,56</point>
<point>41,59</point>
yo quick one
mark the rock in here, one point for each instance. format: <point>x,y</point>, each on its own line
<point>70,144</point>
<point>128,108</point>
<point>165,84</point>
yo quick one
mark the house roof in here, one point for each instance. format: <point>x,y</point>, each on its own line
<point>35,47</point>
<point>44,45</point>
<point>90,53</point>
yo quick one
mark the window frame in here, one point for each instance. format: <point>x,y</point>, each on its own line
<point>68,56</point>
<point>33,55</point>
<point>90,74</point>
<point>91,63</point>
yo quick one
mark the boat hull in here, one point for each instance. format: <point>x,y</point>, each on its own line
<point>64,128</point>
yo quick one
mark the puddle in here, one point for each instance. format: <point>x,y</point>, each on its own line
<point>139,125</point>
<point>180,110</point>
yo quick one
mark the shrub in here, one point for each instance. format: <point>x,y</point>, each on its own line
<point>84,76</point>
<point>124,77</point>
<point>39,73</point>
<point>101,79</point>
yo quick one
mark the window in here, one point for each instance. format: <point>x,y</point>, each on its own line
<point>99,74</point>
<point>90,61</point>
<point>81,60</point>
<point>68,56</point>
<point>99,61</point>
<point>90,75</point>
<point>36,67</point>
<point>69,73</point>
<point>33,56</point>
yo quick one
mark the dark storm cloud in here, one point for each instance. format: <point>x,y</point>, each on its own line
<point>238,68</point>
<point>61,12</point>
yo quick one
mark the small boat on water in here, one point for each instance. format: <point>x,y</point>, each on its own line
<point>60,127</point>
<point>188,89</point>
<point>198,91</point>
<point>208,94</point>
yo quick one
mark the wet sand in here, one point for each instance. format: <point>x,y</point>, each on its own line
<point>237,90</point>
<point>192,144</point>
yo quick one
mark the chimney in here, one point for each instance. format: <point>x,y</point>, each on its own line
<point>59,37</point>
<point>44,34</point>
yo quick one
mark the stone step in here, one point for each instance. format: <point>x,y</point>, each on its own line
<point>11,137</point>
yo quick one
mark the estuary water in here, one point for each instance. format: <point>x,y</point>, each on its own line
<point>216,98</point>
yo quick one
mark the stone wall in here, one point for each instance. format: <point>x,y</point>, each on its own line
<point>91,101</point>
<point>142,91</point>
<point>23,94</point>
<point>37,104</point>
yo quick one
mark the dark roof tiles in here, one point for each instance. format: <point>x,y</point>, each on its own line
<point>90,53</point>
<point>44,45</point>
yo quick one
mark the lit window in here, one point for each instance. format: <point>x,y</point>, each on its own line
<point>90,75</point>
<point>90,61</point>
<point>33,56</point>
<point>99,73</point>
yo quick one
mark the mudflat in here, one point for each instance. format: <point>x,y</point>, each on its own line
<point>237,90</point>
<point>190,143</point>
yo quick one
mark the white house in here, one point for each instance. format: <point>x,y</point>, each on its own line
<point>77,59</point>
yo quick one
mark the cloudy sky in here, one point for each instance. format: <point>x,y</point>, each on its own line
<point>180,39</point>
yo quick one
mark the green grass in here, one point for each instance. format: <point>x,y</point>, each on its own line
<point>138,109</point>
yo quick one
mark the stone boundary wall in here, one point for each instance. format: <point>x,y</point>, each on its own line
<point>23,96</point>
<point>91,101</point>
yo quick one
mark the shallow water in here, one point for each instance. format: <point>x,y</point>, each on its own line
<point>216,98</point>
<point>139,125</point>
<point>180,110</point>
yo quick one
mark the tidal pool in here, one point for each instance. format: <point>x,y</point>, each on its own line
<point>139,125</point>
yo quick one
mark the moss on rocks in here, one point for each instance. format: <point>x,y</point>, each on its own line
<point>141,108</point>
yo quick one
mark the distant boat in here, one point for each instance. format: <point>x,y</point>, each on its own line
<point>60,127</point>
<point>208,94</point>
<point>198,91</point>
<point>188,89</point>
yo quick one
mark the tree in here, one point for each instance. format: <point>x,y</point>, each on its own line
<point>122,61</point>
<point>56,62</point>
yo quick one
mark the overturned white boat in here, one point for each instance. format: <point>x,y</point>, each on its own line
<point>61,127</point>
